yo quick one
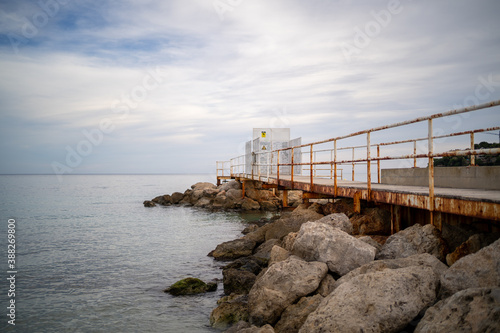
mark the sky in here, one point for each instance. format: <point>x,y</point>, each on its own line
<point>172,86</point>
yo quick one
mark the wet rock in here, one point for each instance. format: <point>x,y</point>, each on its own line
<point>477,270</point>
<point>414,240</point>
<point>383,301</point>
<point>148,203</point>
<point>251,264</point>
<point>469,310</point>
<point>472,245</point>
<point>203,202</point>
<point>231,185</point>
<point>177,197</point>
<point>372,221</point>
<point>163,200</point>
<point>296,314</point>
<point>230,309</point>
<point>238,327</point>
<point>233,249</point>
<point>259,235</point>
<point>424,259</point>
<point>269,206</point>
<point>249,204</point>
<point>280,286</point>
<point>255,329</point>
<point>278,254</point>
<point>338,220</point>
<point>250,228</point>
<point>189,286</point>
<point>339,250</point>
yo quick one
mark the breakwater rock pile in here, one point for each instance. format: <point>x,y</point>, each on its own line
<point>227,196</point>
<point>324,268</point>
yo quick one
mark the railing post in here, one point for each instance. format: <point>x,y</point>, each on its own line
<point>311,164</point>
<point>472,157</point>
<point>378,164</point>
<point>352,164</point>
<point>431,171</point>
<point>335,165</point>
<point>331,164</point>
<point>278,167</point>
<point>293,161</point>
<point>414,153</point>
<point>368,170</point>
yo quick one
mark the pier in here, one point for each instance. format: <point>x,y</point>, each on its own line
<point>320,169</point>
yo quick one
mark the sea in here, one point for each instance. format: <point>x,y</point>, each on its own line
<point>89,257</point>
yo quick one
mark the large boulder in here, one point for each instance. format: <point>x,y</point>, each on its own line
<point>383,301</point>
<point>338,220</point>
<point>278,254</point>
<point>372,242</point>
<point>414,240</point>
<point>478,270</point>
<point>280,286</point>
<point>424,259</point>
<point>296,314</point>
<point>339,250</point>
<point>472,245</point>
<point>250,204</point>
<point>203,186</point>
<point>177,197</point>
<point>163,200</point>
<point>470,310</point>
<point>231,185</point>
<point>237,281</point>
<point>264,250</point>
<point>343,205</point>
<point>234,249</point>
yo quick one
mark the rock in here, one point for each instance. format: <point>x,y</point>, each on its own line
<point>289,240</point>
<point>203,186</point>
<point>231,185</point>
<point>264,250</point>
<point>278,254</point>
<point>230,309</point>
<point>315,207</point>
<point>469,310</point>
<point>163,200</point>
<point>302,214</point>
<point>259,235</point>
<point>280,286</point>
<point>255,329</point>
<point>148,203</point>
<point>189,286</point>
<point>326,286</point>
<point>251,264</point>
<point>234,194</point>
<point>414,240</point>
<point>291,223</point>
<point>269,206</point>
<point>233,249</point>
<point>339,250</point>
<point>236,328</point>
<point>237,281</point>
<point>249,204</point>
<point>372,242</point>
<point>383,301</point>
<point>472,245</point>
<point>177,197</point>
<point>477,270</point>
<point>344,205</point>
<point>372,221</point>
<point>294,198</point>
<point>424,259</point>
<point>210,192</point>
<point>338,220</point>
<point>203,202</point>
<point>295,315</point>
<point>250,228</point>
<point>456,235</point>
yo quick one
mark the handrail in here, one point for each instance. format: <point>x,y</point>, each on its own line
<point>274,161</point>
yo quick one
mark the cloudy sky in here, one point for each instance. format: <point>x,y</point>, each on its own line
<point>150,86</point>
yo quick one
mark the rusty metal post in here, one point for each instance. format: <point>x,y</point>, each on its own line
<point>472,157</point>
<point>378,164</point>
<point>292,167</point>
<point>368,166</point>
<point>278,167</point>
<point>431,171</point>
<point>331,164</point>
<point>414,153</point>
<point>285,198</point>
<point>311,163</point>
<point>335,165</point>
<point>352,164</point>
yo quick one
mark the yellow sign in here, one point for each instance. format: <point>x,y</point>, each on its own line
<point>264,148</point>
<point>263,134</point>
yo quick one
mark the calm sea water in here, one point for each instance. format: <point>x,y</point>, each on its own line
<point>91,258</point>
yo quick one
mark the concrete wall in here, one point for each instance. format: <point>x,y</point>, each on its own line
<point>481,177</point>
